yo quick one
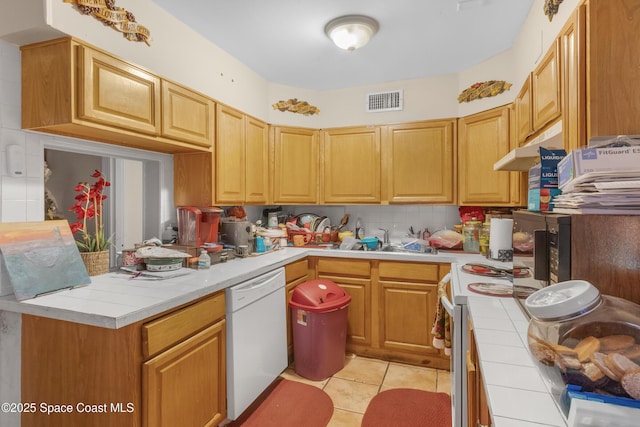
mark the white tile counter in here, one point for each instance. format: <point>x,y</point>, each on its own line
<point>114,301</point>
<point>516,392</point>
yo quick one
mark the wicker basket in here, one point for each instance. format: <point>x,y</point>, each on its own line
<point>96,262</point>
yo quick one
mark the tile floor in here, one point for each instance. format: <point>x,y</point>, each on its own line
<point>354,386</point>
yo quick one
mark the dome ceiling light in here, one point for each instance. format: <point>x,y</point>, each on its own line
<point>351,32</point>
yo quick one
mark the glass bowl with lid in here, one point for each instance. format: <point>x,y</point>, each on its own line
<point>585,339</point>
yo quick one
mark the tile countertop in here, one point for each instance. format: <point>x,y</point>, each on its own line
<point>114,301</point>
<point>516,392</point>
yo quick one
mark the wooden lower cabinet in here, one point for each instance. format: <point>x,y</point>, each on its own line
<point>185,385</point>
<point>295,273</point>
<point>392,307</point>
<point>477,405</point>
<point>167,371</point>
<point>354,276</point>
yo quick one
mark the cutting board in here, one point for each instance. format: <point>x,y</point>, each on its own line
<point>41,257</point>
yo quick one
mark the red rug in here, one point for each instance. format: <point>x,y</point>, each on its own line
<point>408,407</point>
<point>292,404</point>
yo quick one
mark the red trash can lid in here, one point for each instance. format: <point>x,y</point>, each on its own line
<point>319,295</point>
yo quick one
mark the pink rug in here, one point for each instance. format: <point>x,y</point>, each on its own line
<point>292,404</point>
<point>408,407</point>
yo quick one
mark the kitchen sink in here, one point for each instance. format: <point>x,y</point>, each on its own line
<point>398,248</point>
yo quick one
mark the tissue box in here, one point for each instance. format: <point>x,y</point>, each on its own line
<point>585,160</point>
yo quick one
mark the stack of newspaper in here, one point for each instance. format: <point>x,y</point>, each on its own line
<point>606,192</point>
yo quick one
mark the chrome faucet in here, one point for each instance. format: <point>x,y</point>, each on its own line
<point>385,239</point>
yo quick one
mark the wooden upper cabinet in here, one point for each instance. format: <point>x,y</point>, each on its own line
<point>523,112</point>
<point>256,161</point>
<point>572,72</point>
<point>187,115</point>
<point>241,158</point>
<point>113,92</point>
<point>613,86</point>
<point>545,87</point>
<point>419,162</point>
<point>229,156</point>
<point>295,165</point>
<point>351,165</point>
<point>483,139</point>
<point>73,89</point>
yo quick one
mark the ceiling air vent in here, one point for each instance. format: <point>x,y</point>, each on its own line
<point>384,101</point>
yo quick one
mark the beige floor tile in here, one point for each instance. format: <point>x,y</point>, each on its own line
<point>444,382</point>
<point>350,395</point>
<point>343,418</point>
<point>290,374</point>
<point>369,371</point>
<point>407,376</point>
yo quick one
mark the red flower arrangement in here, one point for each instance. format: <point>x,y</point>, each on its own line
<point>89,207</point>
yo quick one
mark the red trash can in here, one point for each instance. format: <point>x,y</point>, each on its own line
<point>319,311</point>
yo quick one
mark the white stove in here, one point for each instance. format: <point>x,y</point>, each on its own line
<point>458,311</point>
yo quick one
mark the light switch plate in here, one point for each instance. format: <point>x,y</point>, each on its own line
<point>16,161</point>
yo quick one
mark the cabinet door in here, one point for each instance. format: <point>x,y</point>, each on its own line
<point>256,161</point>
<point>407,311</point>
<point>187,115</point>
<point>572,48</point>
<point>419,164</point>
<point>229,158</point>
<point>483,139</point>
<point>354,276</point>
<point>295,273</point>
<point>351,165</point>
<point>407,295</point>
<point>115,93</point>
<point>295,165</point>
<point>612,87</point>
<point>186,385</point>
<point>545,87</point>
<point>524,125</point>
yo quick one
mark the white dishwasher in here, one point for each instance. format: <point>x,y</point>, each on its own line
<point>256,338</point>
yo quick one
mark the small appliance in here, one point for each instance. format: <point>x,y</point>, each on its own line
<point>235,233</point>
<point>198,225</point>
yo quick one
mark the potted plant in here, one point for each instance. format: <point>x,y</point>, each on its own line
<point>92,243</point>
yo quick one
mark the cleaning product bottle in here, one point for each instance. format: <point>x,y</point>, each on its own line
<point>359,229</point>
<point>204,261</point>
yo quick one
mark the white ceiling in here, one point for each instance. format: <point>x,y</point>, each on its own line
<point>284,41</point>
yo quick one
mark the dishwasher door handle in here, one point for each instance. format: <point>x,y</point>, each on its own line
<point>252,285</point>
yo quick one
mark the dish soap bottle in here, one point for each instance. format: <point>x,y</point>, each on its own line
<point>204,261</point>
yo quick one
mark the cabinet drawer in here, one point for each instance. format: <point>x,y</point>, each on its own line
<point>344,267</point>
<point>166,331</point>
<point>296,270</point>
<point>409,271</point>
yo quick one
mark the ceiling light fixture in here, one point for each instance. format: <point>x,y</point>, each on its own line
<point>351,32</point>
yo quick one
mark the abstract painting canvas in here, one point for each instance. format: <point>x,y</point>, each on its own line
<point>41,257</point>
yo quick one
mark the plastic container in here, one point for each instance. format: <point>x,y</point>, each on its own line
<point>204,261</point>
<point>582,338</point>
<point>471,234</point>
<point>319,311</point>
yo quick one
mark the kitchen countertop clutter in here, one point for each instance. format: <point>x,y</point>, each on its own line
<point>516,391</point>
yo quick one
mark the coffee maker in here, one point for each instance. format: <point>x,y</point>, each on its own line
<point>198,225</point>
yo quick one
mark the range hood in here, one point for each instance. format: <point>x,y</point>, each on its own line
<point>522,158</point>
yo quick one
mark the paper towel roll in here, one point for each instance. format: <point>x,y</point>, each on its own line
<point>501,237</point>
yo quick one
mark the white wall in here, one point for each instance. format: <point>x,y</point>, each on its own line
<point>180,54</point>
